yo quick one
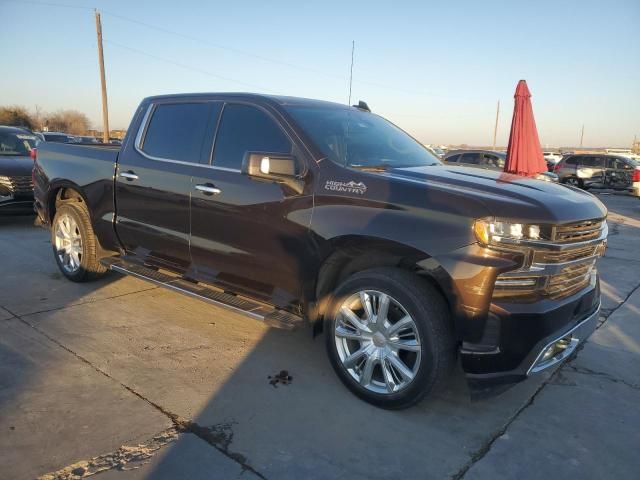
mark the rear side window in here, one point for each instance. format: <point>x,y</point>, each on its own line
<point>592,162</point>
<point>179,131</point>
<point>470,158</point>
<point>243,129</point>
<point>571,161</point>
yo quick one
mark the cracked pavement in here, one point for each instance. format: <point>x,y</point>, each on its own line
<point>123,380</point>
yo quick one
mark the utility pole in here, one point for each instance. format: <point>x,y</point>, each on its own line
<point>38,117</point>
<point>105,111</point>
<point>353,47</point>
<point>582,135</point>
<point>495,129</point>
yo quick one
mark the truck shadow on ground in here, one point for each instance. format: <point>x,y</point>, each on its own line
<point>313,427</point>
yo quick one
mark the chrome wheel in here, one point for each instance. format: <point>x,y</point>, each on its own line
<point>68,243</point>
<point>377,342</point>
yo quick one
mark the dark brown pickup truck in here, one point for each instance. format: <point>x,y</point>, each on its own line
<point>292,210</point>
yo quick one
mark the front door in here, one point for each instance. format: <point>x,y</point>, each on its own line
<point>153,182</point>
<point>249,234</point>
<point>618,174</point>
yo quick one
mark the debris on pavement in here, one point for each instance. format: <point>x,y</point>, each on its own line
<point>282,378</point>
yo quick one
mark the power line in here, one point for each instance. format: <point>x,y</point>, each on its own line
<point>187,67</point>
<point>252,55</point>
<point>51,4</point>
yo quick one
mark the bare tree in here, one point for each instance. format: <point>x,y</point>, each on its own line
<point>69,121</point>
<point>16,115</point>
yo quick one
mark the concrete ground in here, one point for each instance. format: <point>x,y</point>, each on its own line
<point>131,381</point>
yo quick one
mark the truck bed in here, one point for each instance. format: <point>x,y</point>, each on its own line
<point>88,169</point>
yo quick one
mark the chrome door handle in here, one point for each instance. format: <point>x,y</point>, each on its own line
<point>129,175</point>
<point>208,189</point>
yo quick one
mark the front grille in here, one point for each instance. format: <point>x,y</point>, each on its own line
<point>548,256</point>
<point>22,185</point>
<point>577,232</point>
<point>570,280</point>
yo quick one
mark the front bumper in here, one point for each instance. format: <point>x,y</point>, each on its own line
<point>525,333</point>
<point>502,337</point>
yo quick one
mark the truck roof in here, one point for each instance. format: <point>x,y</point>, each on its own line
<point>274,99</point>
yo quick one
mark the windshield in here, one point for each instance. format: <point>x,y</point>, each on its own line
<point>358,139</point>
<point>16,143</point>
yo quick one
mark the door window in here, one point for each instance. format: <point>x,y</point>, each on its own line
<point>246,129</point>
<point>181,131</point>
<point>453,158</point>
<point>493,161</point>
<point>617,164</point>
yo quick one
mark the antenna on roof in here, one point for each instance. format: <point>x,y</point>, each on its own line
<point>362,106</point>
<point>353,47</point>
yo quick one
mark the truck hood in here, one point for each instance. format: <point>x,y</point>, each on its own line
<point>15,166</point>
<point>508,196</point>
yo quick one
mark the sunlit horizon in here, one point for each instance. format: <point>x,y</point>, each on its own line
<point>436,71</point>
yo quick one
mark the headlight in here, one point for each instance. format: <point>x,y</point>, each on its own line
<point>489,232</point>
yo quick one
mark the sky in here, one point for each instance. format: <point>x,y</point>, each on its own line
<point>435,68</point>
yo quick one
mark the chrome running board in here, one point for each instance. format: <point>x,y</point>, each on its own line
<point>234,303</point>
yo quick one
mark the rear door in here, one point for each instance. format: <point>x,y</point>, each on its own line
<point>591,170</point>
<point>471,159</point>
<point>249,234</point>
<point>153,182</point>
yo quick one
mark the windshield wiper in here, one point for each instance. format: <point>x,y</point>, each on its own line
<point>372,168</point>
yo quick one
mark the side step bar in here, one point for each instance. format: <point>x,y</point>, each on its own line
<point>258,311</point>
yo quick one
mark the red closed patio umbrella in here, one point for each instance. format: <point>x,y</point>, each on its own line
<point>524,155</point>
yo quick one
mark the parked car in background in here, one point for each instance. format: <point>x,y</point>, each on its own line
<point>58,137</point>
<point>591,170</point>
<point>553,157</point>
<point>16,165</point>
<point>320,212</point>
<point>115,141</point>
<point>437,151</point>
<point>87,140</point>
<point>489,160</point>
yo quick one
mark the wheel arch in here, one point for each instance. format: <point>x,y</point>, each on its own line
<point>64,191</point>
<point>355,253</point>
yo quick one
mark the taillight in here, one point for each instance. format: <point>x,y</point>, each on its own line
<point>556,167</point>
<point>636,175</point>
<point>33,154</point>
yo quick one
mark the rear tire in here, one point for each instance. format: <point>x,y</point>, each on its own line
<point>74,243</point>
<point>396,362</point>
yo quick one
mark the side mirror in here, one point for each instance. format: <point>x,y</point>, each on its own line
<point>265,165</point>
<point>275,167</point>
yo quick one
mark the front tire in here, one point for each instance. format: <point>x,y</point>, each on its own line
<point>74,243</point>
<point>389,337</point>
<point>574,182</point>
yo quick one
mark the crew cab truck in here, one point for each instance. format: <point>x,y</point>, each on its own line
<point>294,210</point>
